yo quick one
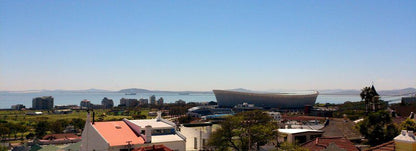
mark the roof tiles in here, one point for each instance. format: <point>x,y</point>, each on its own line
<point>117,133</point>
<point>323,142</point>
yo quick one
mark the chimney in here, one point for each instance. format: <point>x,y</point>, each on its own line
<point>159,116</point>
<point>93,117</point>
<point>404,132</point>
<point>148,133</point>
<point>410,133</point>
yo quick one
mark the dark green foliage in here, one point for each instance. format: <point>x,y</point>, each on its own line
<point>58,126</point>
<point>40,128</point>
<point>353,110</point>
<point>408,124</point>
<point>78,123</point>
<point>244,131</point>
<point>378,128</point>
<point>30,136</point>
<point>185,119</point>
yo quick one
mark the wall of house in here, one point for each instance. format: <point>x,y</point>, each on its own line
<point>92,140</point>
<point>175,146</point>
<point>196,132</point>
<point>405,146</point>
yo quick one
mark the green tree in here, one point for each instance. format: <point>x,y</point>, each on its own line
<point>291,147</point>
<point>40,128</point>
<point>58,126</point>
<point>4,130</point>
<point>244,131</point>
<point>408,124</point>
<point>378,128</point>
<point>78,123</point>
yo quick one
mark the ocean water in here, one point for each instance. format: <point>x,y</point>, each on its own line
<point>67,98</point>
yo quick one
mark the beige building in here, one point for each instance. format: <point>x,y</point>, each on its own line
<point>298,135</point>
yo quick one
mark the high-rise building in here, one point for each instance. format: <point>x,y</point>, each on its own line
<point>152,100</point>
<point>129,102</point>
<point>42,103</point>
<point>107,103</point>
<point>85,104</point>
<point>160,101</point>
<point>143,101</point>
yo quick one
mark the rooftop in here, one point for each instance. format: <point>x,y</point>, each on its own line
<point>59,136</point>
<point>325,142</point>
<point>117,133</point>
<point>166,138</point>
<point>294,131</point>
<point>153,122</point>
<point>406,136</point>
<point>389,146</point>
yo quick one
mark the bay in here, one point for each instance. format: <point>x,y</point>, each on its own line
<point>74,98</point>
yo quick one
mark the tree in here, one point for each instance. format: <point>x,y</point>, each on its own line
<point>4,130</point>
<point>244,131</point>
<point>378,128</point>
<point>286,146</point>
<point>78,123</point>
<point>40,128</point>
<point>58,126</point>
<point>408,124</point>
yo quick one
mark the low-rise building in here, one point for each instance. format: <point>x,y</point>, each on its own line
<point>59,139</point>
<point>405,141</point>
<point>275,115</point>
<point>197,135</point>
<point>330,143</point>
<point>18,107</point>
<point>298,135</point>
<point>130,134</point>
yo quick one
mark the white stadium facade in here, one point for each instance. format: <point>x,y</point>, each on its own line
<point>297,100</point>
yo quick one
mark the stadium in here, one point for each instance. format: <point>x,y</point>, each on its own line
<point>228,98</point>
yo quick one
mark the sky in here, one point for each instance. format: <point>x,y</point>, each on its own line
<point>205,45</point>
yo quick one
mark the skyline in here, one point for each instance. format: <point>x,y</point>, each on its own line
<point>200,46</point>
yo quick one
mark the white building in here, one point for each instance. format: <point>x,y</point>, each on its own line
<point>197,135</point>
<point>130,134</point>
<point>298,135</point>
<point>275,115</point>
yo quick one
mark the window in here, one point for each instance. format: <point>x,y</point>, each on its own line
<point>195,143</point>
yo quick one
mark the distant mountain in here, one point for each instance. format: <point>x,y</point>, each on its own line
<point>80,91</point>
<point>405,91</point>
<point>397,92</point>
<point>137,90</point>
<point>134,90</point>
<point>339,92</point>
<point>60,91</point>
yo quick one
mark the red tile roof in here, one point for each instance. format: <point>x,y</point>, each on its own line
<point>59,136</point>
<point>117,133</point>
<point>323,142</point>
<point>389,146</point>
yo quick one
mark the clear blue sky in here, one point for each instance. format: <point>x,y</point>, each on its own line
<point>205,45</point>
